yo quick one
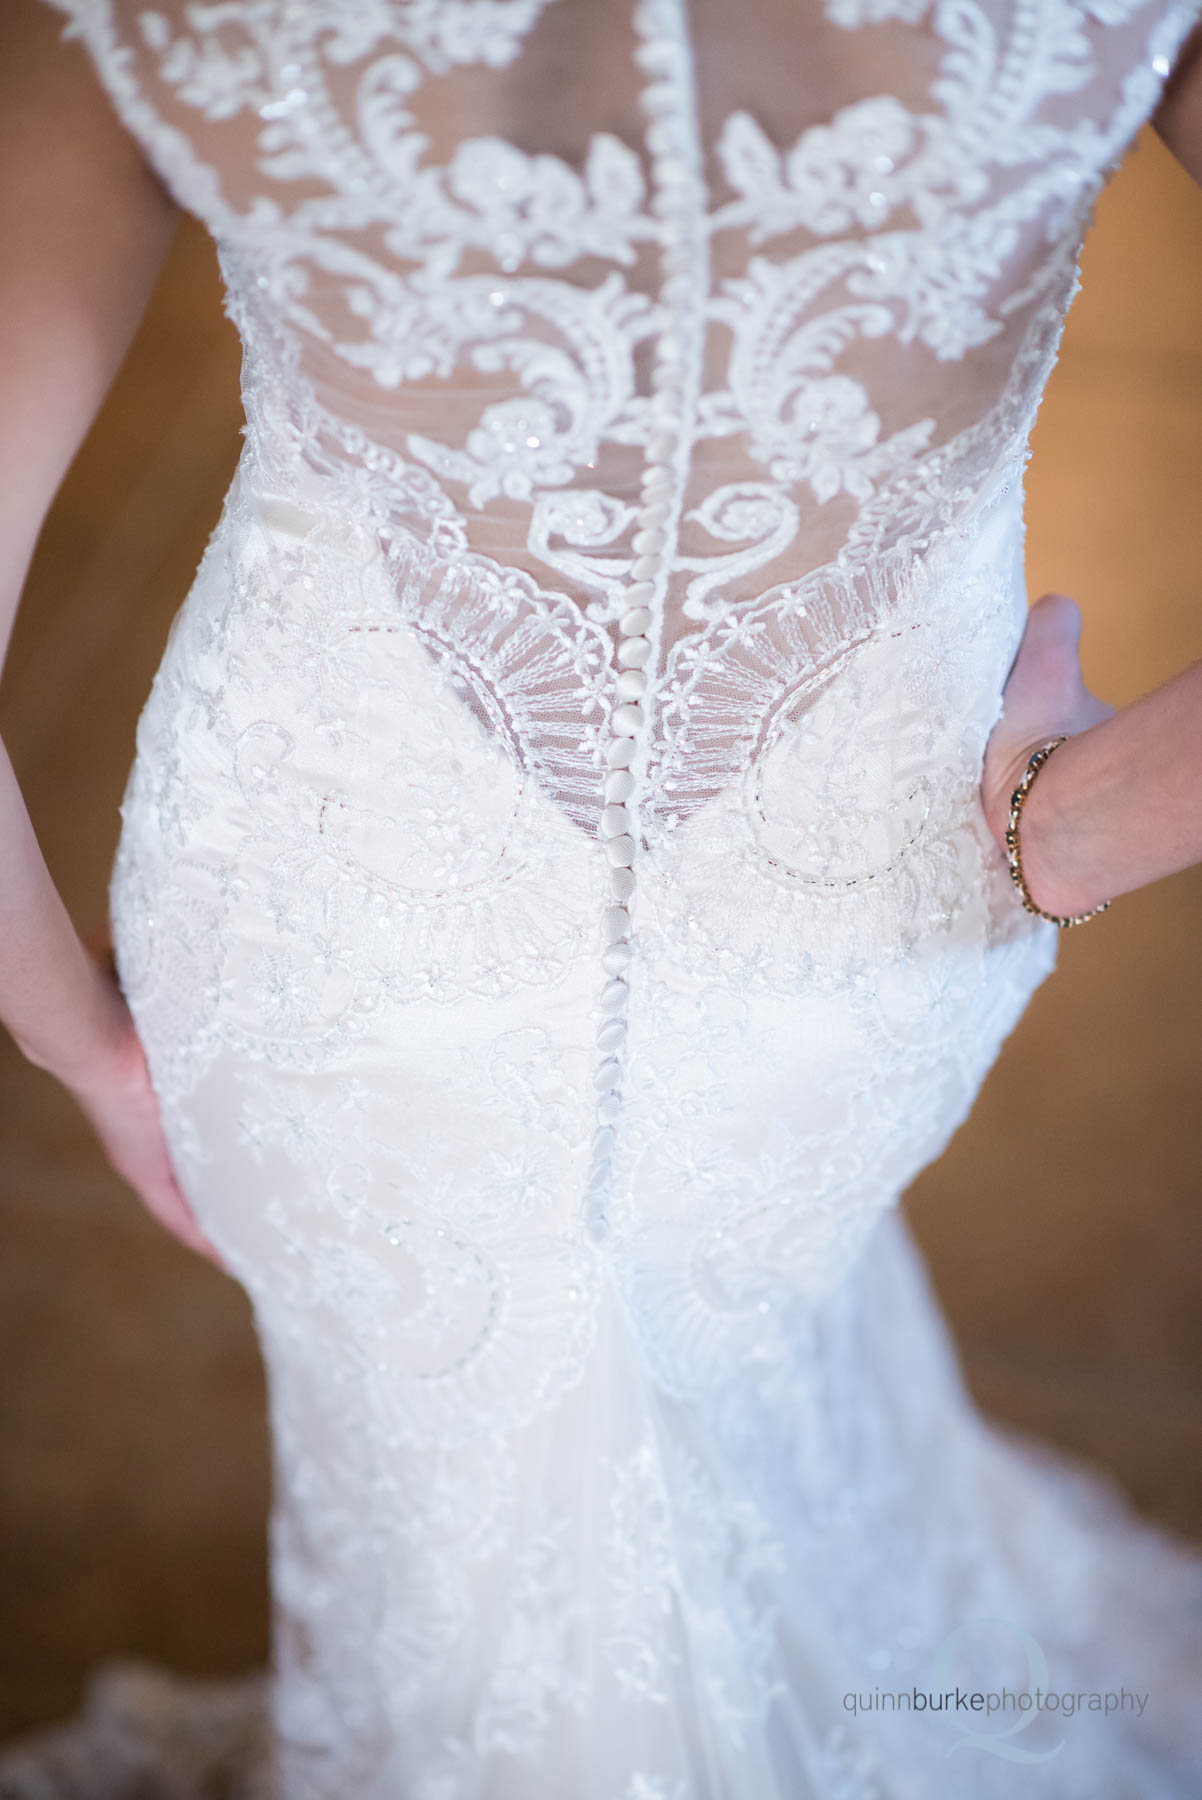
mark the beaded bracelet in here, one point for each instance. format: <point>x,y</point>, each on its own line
<point>1014,852</point>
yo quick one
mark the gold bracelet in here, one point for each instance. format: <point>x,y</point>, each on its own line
<point>1014,852</point>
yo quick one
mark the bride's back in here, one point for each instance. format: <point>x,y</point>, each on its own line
<point>742,312</point>
<point>444,224</point>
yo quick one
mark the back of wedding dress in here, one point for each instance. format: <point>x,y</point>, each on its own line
<point>553,891</point>
<point>462,236</point>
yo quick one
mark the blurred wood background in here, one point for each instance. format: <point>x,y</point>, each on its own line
<point>1062,1227</point>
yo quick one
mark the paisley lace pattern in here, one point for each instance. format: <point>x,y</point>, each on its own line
<point>553,891</point>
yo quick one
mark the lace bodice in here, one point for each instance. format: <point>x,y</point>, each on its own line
<point>495,262</point>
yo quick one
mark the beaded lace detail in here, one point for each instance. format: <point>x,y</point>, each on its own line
<point>553,891</point>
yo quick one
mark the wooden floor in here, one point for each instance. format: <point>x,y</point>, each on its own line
<point>1062,1227</point>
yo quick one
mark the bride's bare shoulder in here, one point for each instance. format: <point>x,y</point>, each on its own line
<point>1177,120</point>
<point>54,111</point>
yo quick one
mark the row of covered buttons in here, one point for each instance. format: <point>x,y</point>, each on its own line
<point>678,202</point>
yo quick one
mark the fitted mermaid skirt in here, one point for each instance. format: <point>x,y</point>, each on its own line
<point>679,1506</point>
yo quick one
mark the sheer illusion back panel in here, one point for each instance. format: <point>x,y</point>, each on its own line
<point>553,891</point>
<point>440,229</point>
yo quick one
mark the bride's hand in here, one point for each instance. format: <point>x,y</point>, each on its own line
<point>118,1100</point>
<point>1044,697</point>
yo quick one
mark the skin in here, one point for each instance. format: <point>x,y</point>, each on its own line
<point>1118,805</point>
<point>86,225</point>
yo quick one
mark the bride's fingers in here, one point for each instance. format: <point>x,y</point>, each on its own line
<point>133,1141</point>
<point>162,1196</point>
<point>1047,666</point>
<point>1046,691</point>
<point>167,1204</point>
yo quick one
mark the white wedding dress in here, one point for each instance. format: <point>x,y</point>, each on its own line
<point>555,901</point>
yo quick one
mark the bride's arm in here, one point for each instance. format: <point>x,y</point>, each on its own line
<point>1120,804</point>
<point>84,226</point>
<point>1177,120</point>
